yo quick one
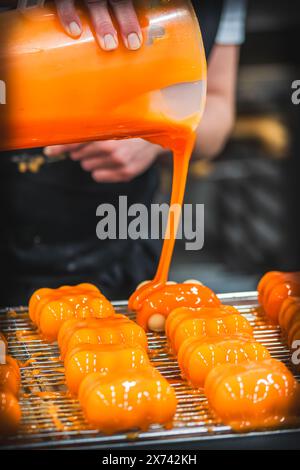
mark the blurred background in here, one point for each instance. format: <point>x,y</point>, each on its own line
<point>251,190</point>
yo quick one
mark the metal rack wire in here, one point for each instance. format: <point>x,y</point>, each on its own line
<point>52,418</point>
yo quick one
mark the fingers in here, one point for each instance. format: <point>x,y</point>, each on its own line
<point>55,150</point>
<point>125,160</point>
<point>104,29</point>
<point>97,163</point>
<point>113,175</point>
<point>81,150</point>
<point>68,17</point>
<point>115,160</point>
<point>110,161</point>
<point>93,149</point>
<point>128,22</point>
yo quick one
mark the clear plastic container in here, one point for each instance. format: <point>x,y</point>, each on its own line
<point>63,90</point>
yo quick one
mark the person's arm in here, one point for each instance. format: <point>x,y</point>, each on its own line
<point>219,114</point>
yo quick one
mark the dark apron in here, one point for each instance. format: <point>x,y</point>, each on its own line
<point>48,230</point>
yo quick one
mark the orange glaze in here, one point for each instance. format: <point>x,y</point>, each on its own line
<point>10,377</point>
<point>88,358</point>
<point>181,157</point>
<point>270,279</point>
<point>118,329</point>
<point>183,323</point>
<point>282,278</point>
<point>49,308</point>
<point>289,321</point>
<point>294,333</point>
<point>10,412</point>
<point>266,278</point>
<point>274,288</point>
<point>289,313</point>
<point>277,295</point>
<point>166,298</point>
<point>127,399</point>
<point>198,356</point>
<point>253,395</point>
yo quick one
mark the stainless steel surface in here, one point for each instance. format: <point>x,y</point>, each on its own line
<point>53,419</point>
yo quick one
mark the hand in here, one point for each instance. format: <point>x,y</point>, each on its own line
<point>111,161</point>
<point>106,34</point>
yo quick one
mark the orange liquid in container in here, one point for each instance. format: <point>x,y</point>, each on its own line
<point>62,90</point>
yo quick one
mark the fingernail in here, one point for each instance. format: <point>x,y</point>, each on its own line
<point>74,29</point>
<point>109,42</point>
<point>133,41</point>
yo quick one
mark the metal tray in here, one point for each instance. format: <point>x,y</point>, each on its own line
<point>53,419</point>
